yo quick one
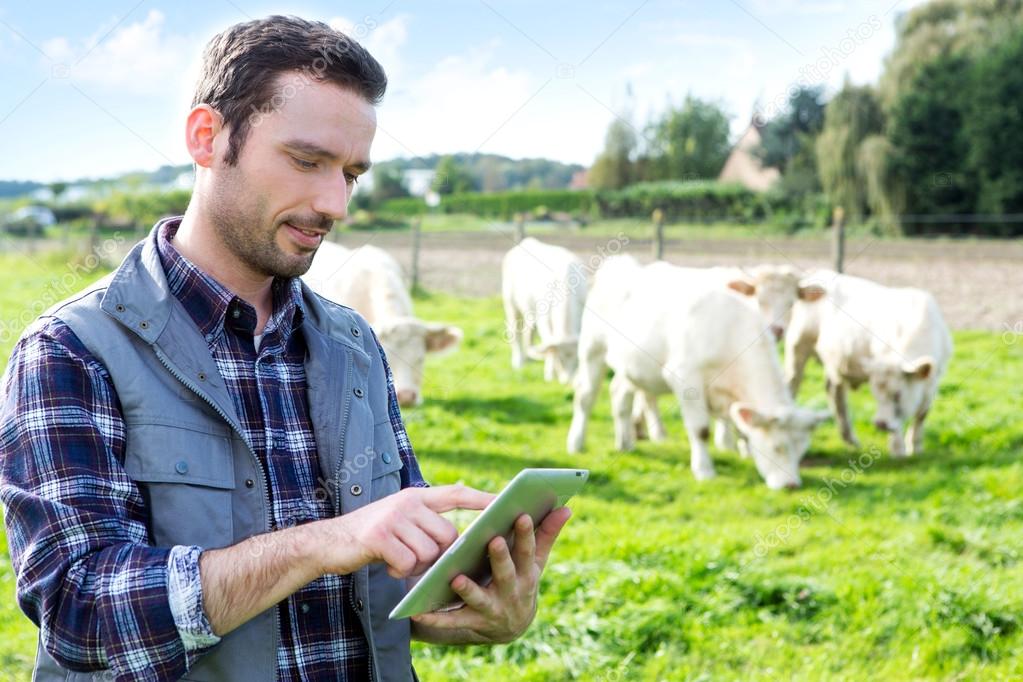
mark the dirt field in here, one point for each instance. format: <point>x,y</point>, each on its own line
<point>979,284</point>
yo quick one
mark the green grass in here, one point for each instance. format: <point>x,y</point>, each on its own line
<point>904,570</point>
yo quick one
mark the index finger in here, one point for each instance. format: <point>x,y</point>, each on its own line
<point>447,497</point>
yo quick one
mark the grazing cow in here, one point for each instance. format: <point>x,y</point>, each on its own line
<point>774,290</point>
<point>895,339</point>
<point>369,280</point>
<point>664,330</point>
<point>544,291</point>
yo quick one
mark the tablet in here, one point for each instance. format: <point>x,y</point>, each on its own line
<point>533,491</point>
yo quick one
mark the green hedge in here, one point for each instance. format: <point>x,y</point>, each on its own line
<point>695,201</point>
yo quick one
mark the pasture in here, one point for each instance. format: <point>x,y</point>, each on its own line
<point>875,569</point>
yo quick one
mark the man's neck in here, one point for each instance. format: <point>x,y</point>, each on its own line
<point>197,241</point>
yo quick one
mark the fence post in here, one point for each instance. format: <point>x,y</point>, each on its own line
<point>658,246</point>
<point>838,237</point>
<point>417,223</point>
<point>520,227</point>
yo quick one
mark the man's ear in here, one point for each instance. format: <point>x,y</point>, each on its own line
<point>920,368</point>
<point>743,286</point>
<point>203,125</point>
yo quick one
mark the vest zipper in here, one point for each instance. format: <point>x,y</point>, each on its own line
<point>259,467</point>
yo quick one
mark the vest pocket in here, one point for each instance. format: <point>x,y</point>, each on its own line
<point>386,477</point>
<point>187,478</point>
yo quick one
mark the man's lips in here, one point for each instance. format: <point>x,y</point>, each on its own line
<point>306,237</point>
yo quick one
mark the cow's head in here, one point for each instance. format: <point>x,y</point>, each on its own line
<point>406,341</point>
<point>562,352</point>
<point>898,386</point>
<point>776,289</point>
<point>777,440</point>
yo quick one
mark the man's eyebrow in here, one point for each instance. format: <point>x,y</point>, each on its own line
<point>313,149</point>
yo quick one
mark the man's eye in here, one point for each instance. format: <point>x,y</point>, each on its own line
<point>303,164</point>
<point>351,179</point>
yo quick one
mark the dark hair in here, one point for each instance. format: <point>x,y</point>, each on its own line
<point>241,65</point>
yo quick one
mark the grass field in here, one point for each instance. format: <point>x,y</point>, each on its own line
<point>875,569</point>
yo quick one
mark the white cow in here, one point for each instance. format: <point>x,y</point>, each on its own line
<point>773,290</point>
<point>895,339</point>
<point>369,280</point>
<point>544,291</point>
<point>662,330</point>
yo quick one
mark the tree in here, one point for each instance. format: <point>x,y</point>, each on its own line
<point>690,142</point>
<point>929,147</point>
<point>452,178</point>
<point>851,116</point>
<point>792,131</point>
<point>388,183</point>
<point>614,167</point>
<point>993,127</point>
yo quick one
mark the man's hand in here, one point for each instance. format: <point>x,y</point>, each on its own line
<point>501,611</point>
<point>405,531</point>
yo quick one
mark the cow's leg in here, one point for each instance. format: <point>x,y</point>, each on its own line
<point>548,366</point>
<point>797,354</point>
<point>840,408</point>
<point>696,416</point>
<point>915,432</point>
<point>647,418</point>
<point>622,396</point>
<point>587,384</point>
<point>515,325</point>
<point>724,435</point>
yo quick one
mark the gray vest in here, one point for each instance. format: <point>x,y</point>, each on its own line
<point>186,452</point>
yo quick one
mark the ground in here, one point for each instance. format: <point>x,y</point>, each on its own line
<point>876,569</point>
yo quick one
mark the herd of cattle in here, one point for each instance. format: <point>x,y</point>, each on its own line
<point>705,335</point>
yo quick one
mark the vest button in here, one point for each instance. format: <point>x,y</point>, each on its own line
<point>386,457</point>
<point>181,467</point>
<point>249,483</point>
<point>356,489</point>
<point>144,324</point>
<point>119,307</point>
<point>202,376</point>
<point>355,331</point>
<point>358,392</point>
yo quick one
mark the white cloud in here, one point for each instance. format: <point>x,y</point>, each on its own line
<point>384,41</point>
<point>462,102</point>
<point>139,57</point>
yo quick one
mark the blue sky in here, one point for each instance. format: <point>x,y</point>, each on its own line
<point>93,89</point>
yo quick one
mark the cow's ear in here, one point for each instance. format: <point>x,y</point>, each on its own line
<point>920,368</point>
<point>744,287</point>
<point>811,292</point>
<point>746,417</point>
<point>809,419</point>
<point>442,337</point>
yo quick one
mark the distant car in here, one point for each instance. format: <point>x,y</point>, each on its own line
<point>29,220</point>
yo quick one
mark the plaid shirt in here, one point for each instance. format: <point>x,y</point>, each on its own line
<point>87,572</point>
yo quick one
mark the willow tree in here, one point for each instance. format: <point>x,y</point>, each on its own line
<point>851,116</point>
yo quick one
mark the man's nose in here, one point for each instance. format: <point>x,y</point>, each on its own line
<point>332,198</point>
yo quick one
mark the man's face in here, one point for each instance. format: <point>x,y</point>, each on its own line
<point>294,176</point>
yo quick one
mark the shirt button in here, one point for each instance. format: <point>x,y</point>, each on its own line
<point>249,483</point>
<point>358,392</point>
<point>236,313</point>
<point>181,467</point>
<point>358,605</point>
<point>305,608</point>
<point>386,457</point>
<point>356,489</point>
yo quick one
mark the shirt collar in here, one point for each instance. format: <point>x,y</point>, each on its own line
<point>212,306</point>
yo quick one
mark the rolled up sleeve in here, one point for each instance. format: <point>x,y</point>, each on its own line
<point>86,572</point>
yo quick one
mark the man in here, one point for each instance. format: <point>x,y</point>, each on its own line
<point>204,470</point>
